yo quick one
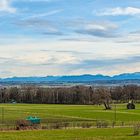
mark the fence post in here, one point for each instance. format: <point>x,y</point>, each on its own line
<point>2,115</point>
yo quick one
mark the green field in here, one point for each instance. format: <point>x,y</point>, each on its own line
<point>88,112</point>
<point>72,113</point>
<point>74,134</point>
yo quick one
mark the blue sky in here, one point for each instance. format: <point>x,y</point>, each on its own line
<point>69,37</point>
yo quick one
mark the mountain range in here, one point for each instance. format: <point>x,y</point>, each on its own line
<point>74,78</point>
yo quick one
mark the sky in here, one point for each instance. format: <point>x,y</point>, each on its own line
<point>69,37</point>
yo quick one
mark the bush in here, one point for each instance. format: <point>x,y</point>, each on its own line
<point>65,125</point>
<point>56,126</point>
<point>102,124</point>
<point>86,125</point>
<point>136,130</point>
<point>22,124</point>
<point>44,127</point>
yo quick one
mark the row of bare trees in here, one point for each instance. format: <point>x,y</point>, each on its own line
<point>70,95</point>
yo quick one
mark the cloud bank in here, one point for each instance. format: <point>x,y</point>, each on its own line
<point>5,6</point>
<point>120,11</point>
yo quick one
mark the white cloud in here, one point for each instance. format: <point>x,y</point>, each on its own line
<point>101,26</point>
<point>50,13</point>
<point>5,6</point>
<point>66,57</point>
<point>47,58</point>
<point>36,0</point>
<point>118,11</point>
<point>104,29</point>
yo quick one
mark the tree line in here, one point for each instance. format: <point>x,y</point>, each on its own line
<point>70,95</point>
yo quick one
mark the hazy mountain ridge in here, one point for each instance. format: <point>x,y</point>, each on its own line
<point>75,78</point>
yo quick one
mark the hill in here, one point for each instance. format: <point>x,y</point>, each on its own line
<point>122,78</point>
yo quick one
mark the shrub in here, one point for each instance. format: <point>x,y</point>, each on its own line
<point>86,125</point>
<point>102,124</point>
<point>22,124</point>
<point>44,127</point>
<point>56,126</point>
<point>65,125</point>
<point>136,130</point>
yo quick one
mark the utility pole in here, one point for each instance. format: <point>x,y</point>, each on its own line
<point>115,113</point>
<point>115,116</point>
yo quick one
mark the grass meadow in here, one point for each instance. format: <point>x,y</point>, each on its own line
<point>85,112</point>
<point>71,113</point>
<point>71,134</point>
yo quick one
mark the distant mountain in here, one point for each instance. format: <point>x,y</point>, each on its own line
<point>125,76</point>
<point>30,79</point>
<point>82,78</point>
<point>76,78</point>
